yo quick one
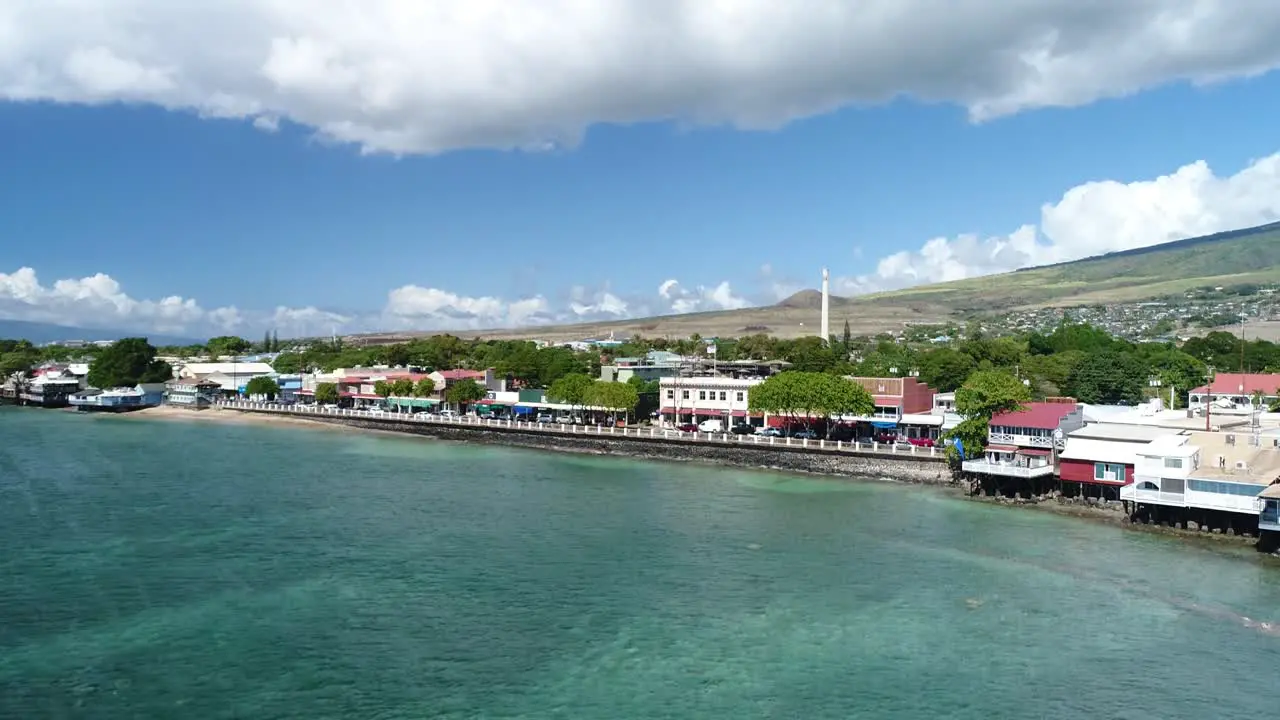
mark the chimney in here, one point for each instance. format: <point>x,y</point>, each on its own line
<point>826,327</point>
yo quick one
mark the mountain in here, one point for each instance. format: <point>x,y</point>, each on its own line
<point>41,333</point>
<point>1237,257</point>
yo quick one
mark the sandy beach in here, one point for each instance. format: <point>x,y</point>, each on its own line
<point>233,417</point>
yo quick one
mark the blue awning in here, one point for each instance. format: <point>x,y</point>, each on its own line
<point>884,425</point>
<point>522,410</point>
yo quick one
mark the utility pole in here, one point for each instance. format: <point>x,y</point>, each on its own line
<point>1208,403</point>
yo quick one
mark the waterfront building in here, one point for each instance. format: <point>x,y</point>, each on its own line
<point>1021,444</point>
<point>1212,479</point>
<point>49,390</point>
<point>231,377</point>
<point>684,400</point>
<point>192,393</point>
<point>1100,458</point>
<point>944,406</point>
<point>623,369</point>
<point>904,409</point>
<point>123,399</point>
<point>484,378</point>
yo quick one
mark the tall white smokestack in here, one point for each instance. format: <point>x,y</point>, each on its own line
<point>826,327</point>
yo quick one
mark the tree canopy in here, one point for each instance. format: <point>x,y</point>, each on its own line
<point>988,392</point>
<point>262,385</point>
<point>327,393</point>
<point>1109,378</point>
<point>126,363</point>
<point>570,389</point>
<point>612,395</point>
<point>464,391</point>
<point>402,387</point>
<point>424,388</point>
<point>810,394</point>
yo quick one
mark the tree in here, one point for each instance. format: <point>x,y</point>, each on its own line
<point>126,363</point>
<point>402,387</point>
<point>425,387</point>
<point>644,386</point>
<point>988,392</point>
<point>275,341</point>
<point>570,389</point>
<point>946,369</point>
<point>810,394</point>
<point>382,388</point>
<point>464,392</point>
<point>288,363</point>
<point>262,385</point>
<point>984,394</point>
<point>227,345</point>
<point>616,396</point>
<point>327,394</point>
<point>846,339</point>
<point>1109,378</point>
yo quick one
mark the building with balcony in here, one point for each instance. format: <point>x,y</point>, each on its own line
<point>50,390</point>
<point>1100,458</point>
<point>1212,479</point>
<point>692,399</point>
<point>192,393</point>
<point>1021,445</point>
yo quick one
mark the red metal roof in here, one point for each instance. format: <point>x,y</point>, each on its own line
<point>1035,452</point>
<point>1038,415</point>
<point>1230,383</point>
<point>1002,448</point>
<point>461,374</point>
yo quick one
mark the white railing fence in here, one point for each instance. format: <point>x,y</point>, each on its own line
<point>719,438</point>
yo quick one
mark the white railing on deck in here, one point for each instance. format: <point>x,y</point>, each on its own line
<point>720,438</point>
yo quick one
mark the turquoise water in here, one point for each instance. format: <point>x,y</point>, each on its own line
<point>191,570</point>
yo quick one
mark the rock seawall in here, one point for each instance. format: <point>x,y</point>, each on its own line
<point>926,470</point>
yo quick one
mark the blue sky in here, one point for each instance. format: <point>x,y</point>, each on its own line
<point>301,212</point>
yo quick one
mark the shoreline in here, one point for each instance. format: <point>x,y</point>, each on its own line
<point>941,481</point>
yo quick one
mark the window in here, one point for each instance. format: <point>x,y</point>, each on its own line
<point>684,394</point>
<point>1175,463</point>
<point>740,398</point>
<point>702,394</point>
<point>671,394</point>
<point>1224,488</point>
<point>1108,471</point>
<point>722,395</point>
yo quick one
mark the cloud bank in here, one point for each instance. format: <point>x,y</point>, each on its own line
<point>429,76</point>
<point>1093,219</point>
<point>100,302</point>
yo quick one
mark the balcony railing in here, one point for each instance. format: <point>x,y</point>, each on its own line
<point>1021,440</point>
<point>1007,469</point>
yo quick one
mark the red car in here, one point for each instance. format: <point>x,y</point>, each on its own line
<point>688,427</point>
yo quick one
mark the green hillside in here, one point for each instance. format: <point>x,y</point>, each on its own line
<point>1231,258</point>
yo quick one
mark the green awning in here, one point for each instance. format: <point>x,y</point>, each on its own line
<point>413,402</point>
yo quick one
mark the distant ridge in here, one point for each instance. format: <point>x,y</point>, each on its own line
<point>42,333</point>
<point>1183,244</point>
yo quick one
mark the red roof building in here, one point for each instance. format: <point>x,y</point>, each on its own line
<point>1239,386</point>
<point>1037,415</point>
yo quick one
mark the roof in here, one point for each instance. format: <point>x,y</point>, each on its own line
<point>461,374</point>
<point>226,368</point>
<point>1039,415</point>
<point>1120,452</point>
<point>1118,432</point>
<point>1272,491</point>
<point>1231,383</point>
<point>1002,448</point>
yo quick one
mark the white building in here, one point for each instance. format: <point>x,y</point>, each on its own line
<point>244,369</point>
<point>1223,472</point>
<point>692,399</point>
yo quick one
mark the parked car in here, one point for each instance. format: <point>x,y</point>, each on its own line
<point>448,414</point>
<point>565,419</point>
<point>688,427</point>
<point>804,434</point>
<point>742,429</point>
<point>770,432</point>
<point>921,442</point>
<point>713,425</point>
<point>544,417</point>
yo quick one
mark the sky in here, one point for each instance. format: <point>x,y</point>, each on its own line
<point>238,166</point>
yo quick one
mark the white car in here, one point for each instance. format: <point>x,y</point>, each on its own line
<point>565,420</point>
<point>448,414</point>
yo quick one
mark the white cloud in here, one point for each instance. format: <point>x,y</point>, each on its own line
<point>699,299</point>
<point>411,76</point>
<point>600,305</point>
<point>1093,219</point>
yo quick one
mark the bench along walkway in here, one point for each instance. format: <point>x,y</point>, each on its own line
<point>603,432</point>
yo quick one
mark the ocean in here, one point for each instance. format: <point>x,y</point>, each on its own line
<point>169,569</point>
